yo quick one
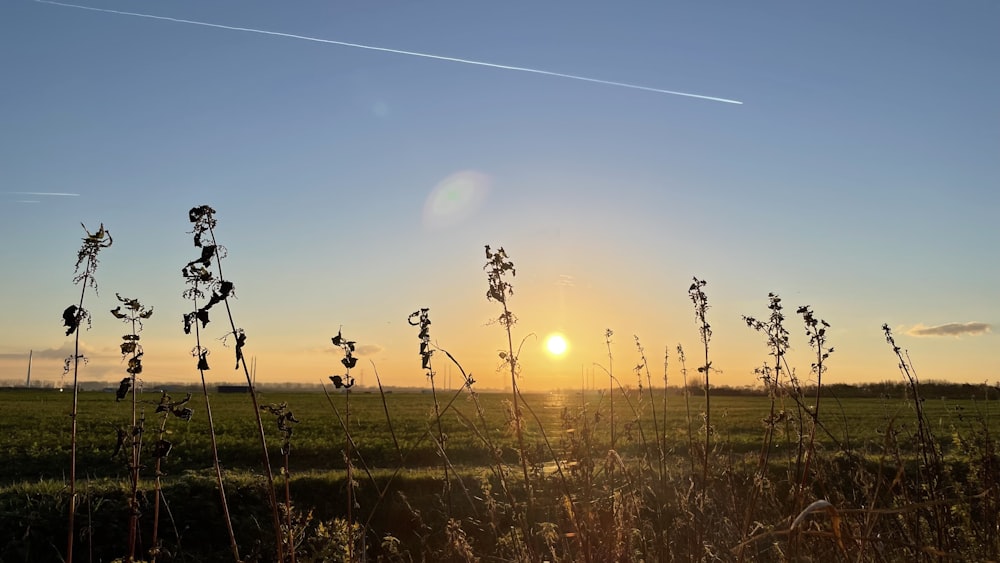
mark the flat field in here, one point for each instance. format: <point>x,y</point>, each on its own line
<point>34,426</point>
<point>866,450</point>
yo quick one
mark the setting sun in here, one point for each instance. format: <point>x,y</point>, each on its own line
<point>556,344</point>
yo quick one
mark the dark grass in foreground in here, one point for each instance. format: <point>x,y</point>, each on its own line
<point>871,473</point>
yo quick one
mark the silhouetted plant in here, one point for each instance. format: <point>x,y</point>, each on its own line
<point>421,318</point>
<point>203,219</point>
<point>497,267</point>
<point>345,382</point>
<point>643,365</point>
<point>133,315</point>
<point>777,343</point>
<point>697,294</point>
<point>73,316</point>
<point>608,333</point>
<point>687,406</point>
<point>930,469</point>
<point>284,419</point>
<point>816,332</point>
<point>200,281</point>
<point>663,430</point>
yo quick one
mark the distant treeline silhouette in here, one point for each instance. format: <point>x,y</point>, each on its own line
<point>930,389</point>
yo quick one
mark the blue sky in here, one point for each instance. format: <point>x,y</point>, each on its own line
<point>858,176</point>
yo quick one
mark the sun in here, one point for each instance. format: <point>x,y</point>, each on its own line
<point>556,344</point>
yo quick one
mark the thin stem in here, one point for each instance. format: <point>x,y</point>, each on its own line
<point>288,507</point>
<point>687,406</point>
<point>399,469</point>
<point>611,387</point>
<point>266,460</point>
<point>350,473</point>
<point>511,360</point>
<point>388,419</point>
<point>663,434</point>
<point>215,448</point>
<point>133,520</point>
<point>155,550</point>
<point>73,423</point>
<point>652,404</point>
<point>440,429</point>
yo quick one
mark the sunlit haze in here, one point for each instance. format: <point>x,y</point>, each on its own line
<point>843,155</point>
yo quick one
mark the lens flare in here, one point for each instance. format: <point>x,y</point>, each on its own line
<point>455,199</point>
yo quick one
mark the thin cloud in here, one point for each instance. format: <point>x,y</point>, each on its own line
<point>565,280</point>
<point>399,52</point>
<point>368,350</point>
<point>59,353</point>
<point>359,350</point>
<point>951,329</point>
<point>48,353</point>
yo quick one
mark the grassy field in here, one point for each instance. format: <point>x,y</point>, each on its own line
<point>36,430</point>
<point>601,501</point>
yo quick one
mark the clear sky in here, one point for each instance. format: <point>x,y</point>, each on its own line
<point>860,175</point>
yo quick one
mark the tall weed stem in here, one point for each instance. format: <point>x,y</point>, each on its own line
<point>73,317</point>
<point>201,280</point>
<point>697,294</point>
<point>498,265</point>
<point>345,382</point>
<point>204,219</point>
<point>133,315</point>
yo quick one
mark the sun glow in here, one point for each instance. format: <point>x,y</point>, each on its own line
<point>556,344</point>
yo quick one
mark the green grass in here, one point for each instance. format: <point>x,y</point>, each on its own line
<point>414,510</point>
<point>35,424</point>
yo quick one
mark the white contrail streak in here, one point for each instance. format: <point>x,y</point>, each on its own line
<point>45,193</point>
<point>398,52</point>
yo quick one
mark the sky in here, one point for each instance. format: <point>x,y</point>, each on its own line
<point>858,175</point>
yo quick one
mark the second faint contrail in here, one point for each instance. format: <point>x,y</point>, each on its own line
<point>398,52</point>
<point>46,193</point>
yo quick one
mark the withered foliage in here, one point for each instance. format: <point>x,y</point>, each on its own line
<point>203,282</point>
<point>284,419</point>
<point>176,408</point>
<point>348,361</point>
<point>134,313</point>
<point>422,319</point>
<point>498,265</point>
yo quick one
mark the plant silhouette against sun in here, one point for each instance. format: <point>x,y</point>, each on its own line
<point>497,267</point>
<point>200,281</point>
<point>133,315</point>
<point>345,382</point>
<point>204,222</point>
<point>697,294</point>
<point>73,316</point>
<point>422,319</point>
<point>816,331</point>
<point>777,343</point>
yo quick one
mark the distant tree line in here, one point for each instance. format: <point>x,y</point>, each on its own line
<point>929,390</point>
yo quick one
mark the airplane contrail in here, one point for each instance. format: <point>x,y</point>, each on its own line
<point>45,193</point>
<point>398,52</point>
